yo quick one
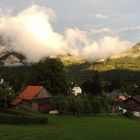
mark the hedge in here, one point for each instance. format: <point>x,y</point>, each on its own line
<point>22,119</point>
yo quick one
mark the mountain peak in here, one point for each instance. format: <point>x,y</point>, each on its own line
<point>11,58</point>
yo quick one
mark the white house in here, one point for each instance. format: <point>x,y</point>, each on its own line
<point>76,90</point>
<point>1,81</point>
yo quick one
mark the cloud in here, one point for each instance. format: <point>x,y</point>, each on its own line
<point>101,30</point>
<point>105,47</point>
<point>126,29</point>
<point>31,33</point>
<point>102,16</point>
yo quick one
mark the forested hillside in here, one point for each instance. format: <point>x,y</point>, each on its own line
<point>126,67</point>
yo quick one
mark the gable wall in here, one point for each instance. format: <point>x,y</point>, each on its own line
<point>43,94</point>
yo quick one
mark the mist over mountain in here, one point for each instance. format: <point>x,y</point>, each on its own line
<point>10,57</point>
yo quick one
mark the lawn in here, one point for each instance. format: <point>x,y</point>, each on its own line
<point>75,128</point>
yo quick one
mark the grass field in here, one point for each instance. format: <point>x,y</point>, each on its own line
<point>75,128</point>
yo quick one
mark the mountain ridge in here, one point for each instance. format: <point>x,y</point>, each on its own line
<point>17,57</point>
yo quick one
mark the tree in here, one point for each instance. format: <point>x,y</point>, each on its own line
<point>6,95</point>
<point>116,84</point>
<point>97,85</point>
<point>1,68</point>
<point>60,103</point>
<point>93,86</point>
<point>100,104</point>
<point>50,73</point>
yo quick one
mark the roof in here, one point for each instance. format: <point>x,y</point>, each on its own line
<point>115,93</point>
<point>30,91</point>
<point>132,103</point>
<point>136,98</point>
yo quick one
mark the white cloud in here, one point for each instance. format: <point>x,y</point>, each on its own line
<point>102,16</point>
<point>101,30</point>
<point>32,33</point>
<point>105,47</point>
<point>126,29</point>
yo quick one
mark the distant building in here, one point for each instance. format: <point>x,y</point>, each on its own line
<point>1,81</point>
<point>117,95</point>
<point>133,104</point>
<point>35,98</point>
<point>74,90</point>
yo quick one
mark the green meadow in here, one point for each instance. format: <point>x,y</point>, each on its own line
<point>75,128</point>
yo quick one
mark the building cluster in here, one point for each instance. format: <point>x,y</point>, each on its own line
<point>37,98</point>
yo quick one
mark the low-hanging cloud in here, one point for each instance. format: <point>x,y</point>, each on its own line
<point>31,33</point>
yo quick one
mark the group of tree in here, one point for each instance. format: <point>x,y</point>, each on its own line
<point>50,73</point>
<point>6,95</point>
<point>93,86</point>
<point>83,104</point>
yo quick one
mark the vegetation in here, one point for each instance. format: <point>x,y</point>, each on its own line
<point>93,86</point>
<point>127,68</point>
<point>129,114</point>
<point>21,117</point>
<point>82,104</point>
<point>6,95</point>
<point>50,73</point>
<point>75,128</point>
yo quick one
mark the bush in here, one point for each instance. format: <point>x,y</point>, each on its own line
<point>22,119</point>
<point>129,114</point>
<point>81,104</point>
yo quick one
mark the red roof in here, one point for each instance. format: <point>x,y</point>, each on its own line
<point>28,94</point>
<point>30,91</point>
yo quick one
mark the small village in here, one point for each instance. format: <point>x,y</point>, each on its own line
<point>69,70</point>
<point>39,99</point>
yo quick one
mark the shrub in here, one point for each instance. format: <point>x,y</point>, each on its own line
<point>129,114</point>
<point>21,119</point>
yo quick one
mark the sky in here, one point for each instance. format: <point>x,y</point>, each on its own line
<point>98,16</point>
<point>99,21</point>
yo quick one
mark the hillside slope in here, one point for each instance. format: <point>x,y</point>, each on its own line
<point>126,67</point>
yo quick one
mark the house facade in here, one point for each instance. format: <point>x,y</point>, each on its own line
<point>133,104</point>
<point>76,90</point>
<point>35,98</point>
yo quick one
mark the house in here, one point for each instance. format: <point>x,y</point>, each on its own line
<point>74,90</point>
<point>35,98</point>
<point>119,96</point>
<point>133,104</point>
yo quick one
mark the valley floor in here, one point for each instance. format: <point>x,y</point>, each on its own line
<point>75,128</point>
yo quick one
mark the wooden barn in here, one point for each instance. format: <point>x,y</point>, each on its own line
<point>35,98</point>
